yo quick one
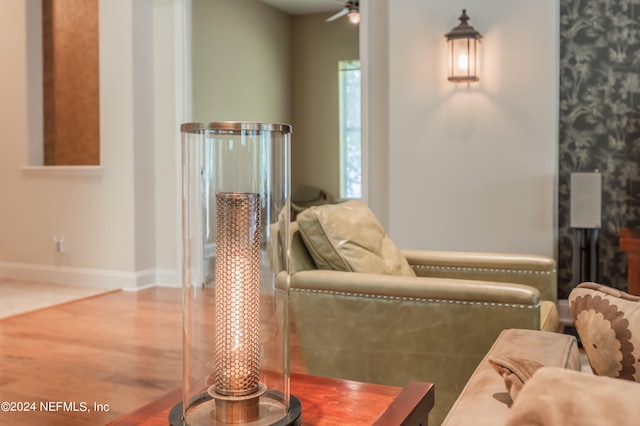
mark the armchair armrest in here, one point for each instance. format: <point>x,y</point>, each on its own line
<point>536,271</point>
<point>394,330</point>
<point>397,287</point>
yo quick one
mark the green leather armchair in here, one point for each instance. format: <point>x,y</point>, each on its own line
<point>435,327</point>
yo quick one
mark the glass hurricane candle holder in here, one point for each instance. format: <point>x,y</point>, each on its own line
<point>235,275</point>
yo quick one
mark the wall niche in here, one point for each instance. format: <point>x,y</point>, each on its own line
<point>71,82</point>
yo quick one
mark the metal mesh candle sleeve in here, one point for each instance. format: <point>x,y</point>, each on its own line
<point>235,216</point>
<point>237,264</point>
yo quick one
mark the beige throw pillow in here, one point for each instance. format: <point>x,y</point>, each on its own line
<point>514,371</point>
<point>558,397</point>
<point>608,323</point>
<point>348,237</point>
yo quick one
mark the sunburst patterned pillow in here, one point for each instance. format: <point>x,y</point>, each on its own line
<point>608,323</point>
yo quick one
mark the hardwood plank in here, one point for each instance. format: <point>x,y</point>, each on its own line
<point>123,349</point>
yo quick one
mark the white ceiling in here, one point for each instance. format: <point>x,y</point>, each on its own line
<point>302,7</point>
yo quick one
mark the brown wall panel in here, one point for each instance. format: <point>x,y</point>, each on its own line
<point>71,82</point>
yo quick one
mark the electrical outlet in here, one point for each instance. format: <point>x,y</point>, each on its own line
<point>59,244</point>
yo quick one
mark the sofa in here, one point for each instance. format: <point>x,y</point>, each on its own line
<point>485,399</point>
<point>364,310</point>
<point>540,378</point>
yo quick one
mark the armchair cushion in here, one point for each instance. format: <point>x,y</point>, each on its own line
<point>348,237</point>
<point>608,323</point>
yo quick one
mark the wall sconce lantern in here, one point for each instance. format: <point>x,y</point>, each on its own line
<point>236,207</point>
<point>463,44</point>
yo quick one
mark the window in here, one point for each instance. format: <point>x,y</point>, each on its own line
<point>350,144</point>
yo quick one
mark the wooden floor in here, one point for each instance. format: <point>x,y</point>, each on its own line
<point>120,350</point>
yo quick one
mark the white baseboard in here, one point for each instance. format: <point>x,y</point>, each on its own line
<point>100,278</point>
<point>168,278</point>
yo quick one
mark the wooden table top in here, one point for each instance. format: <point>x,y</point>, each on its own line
<point>325,402</point>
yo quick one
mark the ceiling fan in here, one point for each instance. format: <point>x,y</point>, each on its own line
<point>351,9</point>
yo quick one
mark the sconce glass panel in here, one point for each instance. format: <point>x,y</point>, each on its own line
<point>463,60</point>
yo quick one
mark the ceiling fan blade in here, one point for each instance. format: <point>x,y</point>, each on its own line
<point>338,15</point>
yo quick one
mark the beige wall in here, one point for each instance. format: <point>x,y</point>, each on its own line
<point>241,62</point>
<point>464,169</point>
<point>474,166</point>
<point>107,215</point>
<point>252,62</point>
<point>317,47</point>
<point>167,146</point>
<point>121,221</point>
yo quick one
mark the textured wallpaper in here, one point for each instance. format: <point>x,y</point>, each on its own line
<point>600,124</point>
<point>71,82</point>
